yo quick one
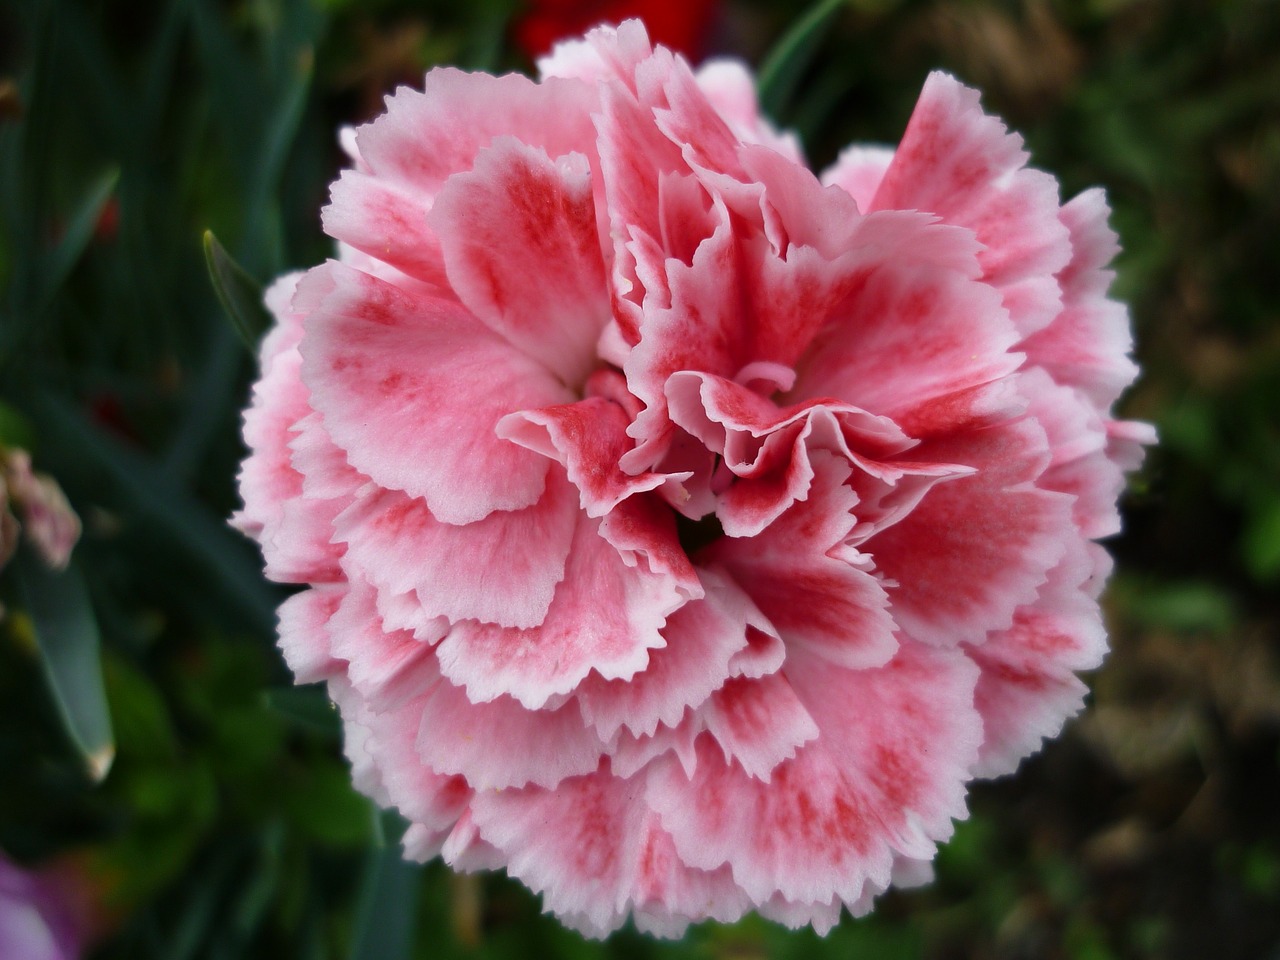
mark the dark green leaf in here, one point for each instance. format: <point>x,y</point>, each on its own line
<point>786,62</point>
<point>131,483</point>
<point>388,888</point>
<point>308,706</point>
<point>15,430</point>
<point>66,633</point>
<point>239,294</point>
<point>74,241</point>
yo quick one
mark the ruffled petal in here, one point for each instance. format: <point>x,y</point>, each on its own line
<point>858,172</point>
<point>976,547</point>
<point>426,136</point>
<point>958,162</point>
<point>1081,464</point>
<point>1028,687</point>
<point>411,388</point>
<point>702,638</point>
<point>587,438</point>
<point>503,569</point>
<point>522,250</point>
<point>816,592</point>
<point>885,777</point>
<point>595,852</point>
<point>605,616</point>
<point>304,636</point>
<point>949,340</point>
<point>500,744</point>
<point>758,723</point>
<point>385,667</point>
<point>430,800</point>
<point>387,222</point>
<point>1087,346</point>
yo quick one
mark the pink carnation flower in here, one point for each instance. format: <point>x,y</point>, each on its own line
<point>684,532</point>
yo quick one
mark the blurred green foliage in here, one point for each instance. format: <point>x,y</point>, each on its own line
<point>227,826</point>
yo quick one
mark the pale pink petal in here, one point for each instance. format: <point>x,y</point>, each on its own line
<point>429,799</point>
<point>385,667</point>
<point>949,338</point>
<point>1022,704</point>
<point>500,744</point>
<point>465,850</point>
<point>812,588</point>
<point>702,638</point>
<point>634,158</point>
<point>326,474</point>
<point>1028,687</point>
<point>404,611</point>
<point>958,162</point>
<point>503,569</point>
<point>427,136</point>
<point>411,388</point>
<point>669,894</point>
<point>731,90</point>
<point>685,115</point>
<point>1080,464</point>
<point>885,777</point>
<point>595,852</point>
<point>1087,345</point>
<point>976,547</point>
<point>632,753</point>
<point>643,531</point>
<point>798,211</point>
<point>587,438</point>
<point>300,547</point>
<point>293,529</point>
<point>304,636</point>
<point>605,616</point>
<point>1127,441</point>
<point>267,478</point>
<point>605,53</point>
<point>821,916</point>
<point>522,251</point>
<point>387,222</point>
<point>758,723</point>
<point>858,172</point>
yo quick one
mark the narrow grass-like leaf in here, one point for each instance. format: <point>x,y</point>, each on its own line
<point>15,429</point>
<point>786,62</point>
<point>66,633</point>
<point>308,707</point>
<point>131,483</point>
<point>73,242</point>
<point>239,294</point>
<point>388,888</point>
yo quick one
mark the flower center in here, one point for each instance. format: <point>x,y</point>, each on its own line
<point>696,534</point>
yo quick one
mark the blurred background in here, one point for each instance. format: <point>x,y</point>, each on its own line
<point>157,767</point>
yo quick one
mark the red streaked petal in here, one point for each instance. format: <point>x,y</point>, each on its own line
<point>605,616</point>
<point>411,388</point>
<point>518,234</point>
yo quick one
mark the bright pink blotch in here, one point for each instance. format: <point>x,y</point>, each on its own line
<point>683,532</point>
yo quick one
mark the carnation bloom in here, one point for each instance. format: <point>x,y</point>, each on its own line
<point>48,521</point>
<point>42,914</point>
<point>683,532</point>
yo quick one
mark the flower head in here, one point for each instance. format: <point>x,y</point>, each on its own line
<point>683,532</point>
<point>43,915</point>
<point>48,521</point>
